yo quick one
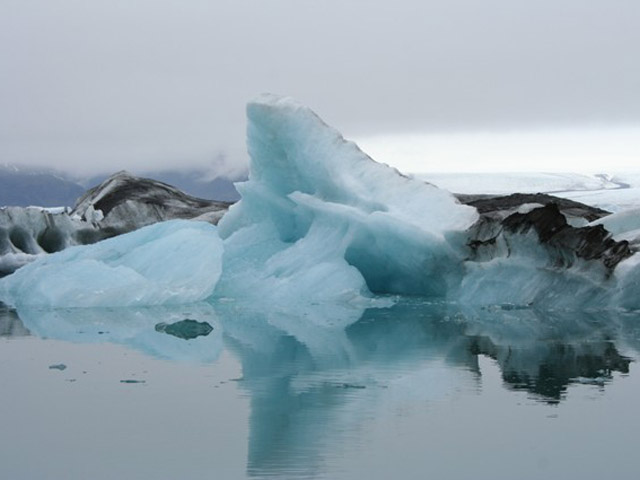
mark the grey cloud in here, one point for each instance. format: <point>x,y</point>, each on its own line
<point>117,84</point>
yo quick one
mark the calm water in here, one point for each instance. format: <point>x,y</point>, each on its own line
<point>413,391</point>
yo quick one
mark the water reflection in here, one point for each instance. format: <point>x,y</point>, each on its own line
<point>143,329</point>
<point>545,352</point>
<point>313,383</point>
<point>302,402</point>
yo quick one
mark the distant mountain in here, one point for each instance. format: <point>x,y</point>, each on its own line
<point>22,187</point>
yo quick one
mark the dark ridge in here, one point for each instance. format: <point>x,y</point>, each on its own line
<point>147,191</point>
<point>589,243</point>
<point>491,203</point>
<point>193,182</point>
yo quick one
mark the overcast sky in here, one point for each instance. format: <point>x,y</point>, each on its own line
<point>429,85</point>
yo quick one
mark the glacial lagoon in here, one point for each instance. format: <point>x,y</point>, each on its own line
<point>415,390</point>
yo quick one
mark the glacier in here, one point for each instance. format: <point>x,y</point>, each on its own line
<point>324,231</point>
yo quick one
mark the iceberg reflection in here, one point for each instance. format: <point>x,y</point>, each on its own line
<point>306,401</point>
<point>314,384</point>
<point>131,327</point>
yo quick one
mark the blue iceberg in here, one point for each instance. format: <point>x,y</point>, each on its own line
<point>321,223</point>
<point>172,262</point>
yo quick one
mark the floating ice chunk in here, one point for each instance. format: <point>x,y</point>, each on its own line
<point>178,261</point>
<point>320,220</point>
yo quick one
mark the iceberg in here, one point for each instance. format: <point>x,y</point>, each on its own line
<point>320,223</point>
<point>178,261</point>
<point>319,220</point>
<point>120,204</point>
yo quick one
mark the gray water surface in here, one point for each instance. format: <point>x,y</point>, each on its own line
<point>222,391</point>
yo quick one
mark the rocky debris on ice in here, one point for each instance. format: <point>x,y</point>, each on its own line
<point>125,202</point>
<point>562,226</point>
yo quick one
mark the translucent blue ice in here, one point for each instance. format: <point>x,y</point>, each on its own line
<point>321,221</point>
<point>173,262</point>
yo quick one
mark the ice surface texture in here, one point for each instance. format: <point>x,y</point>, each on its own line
<point>320,220</point>
<point>27,233</point>
<point>172,262</point>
